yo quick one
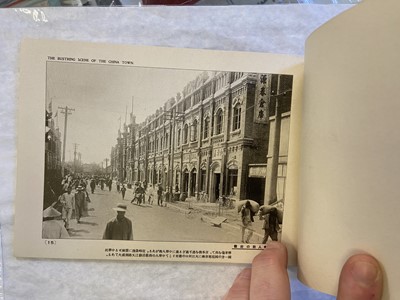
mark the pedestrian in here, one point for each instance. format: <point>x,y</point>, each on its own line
<point>80,198</point>
<point>67,201</point>
<point>120,227</point>
<point>92,185</point>
<point>160,195</point>
<point>65,184</point>
<point>83,183</point>
<point>109,185</point>
<point>76,183</point>
<point>123,189</point>
<point>118,187</point>
<point>52,228</point>
<point>145,185</point>
<point>270,225</point>
<point>102,184</point>
<point>138,194</point>
<point>247,220</point>
<point>85,211</point>
<point>150,194</point>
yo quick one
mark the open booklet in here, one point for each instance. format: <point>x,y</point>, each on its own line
<point>145,153</point>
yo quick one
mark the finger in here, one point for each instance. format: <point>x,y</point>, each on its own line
<point>269,277</point>
<point>241,286</point>
<point>361,278</point>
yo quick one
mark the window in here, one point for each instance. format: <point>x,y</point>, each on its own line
<point>166,141</point>
<point>206,127</point>
<point>202,180</point>
<point>236,117</point>
<point>218,122</point>
<point>194,131</point>
<point>237,75</point>
<point>232,181</point>
<point>208,91</point>
<point>185,133</point>
<point>180,107</point>
<point>179,137</point>
<point>197,98</point>
<point>187,104</point>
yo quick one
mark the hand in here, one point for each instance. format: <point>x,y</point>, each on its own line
<point>361,278</point>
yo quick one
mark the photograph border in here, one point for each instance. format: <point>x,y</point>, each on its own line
<point>34,55</point>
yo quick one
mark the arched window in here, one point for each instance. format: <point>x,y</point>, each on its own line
<point>166,141</point>
<point>218,122</point>
<point>206,127</point>
<point>179,137</point>
<point>236,117</point>
<point>185,133</point>
<point>194,131</point>
<point>232,181</point>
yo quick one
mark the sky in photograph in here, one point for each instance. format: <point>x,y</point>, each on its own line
<point>101,95</point>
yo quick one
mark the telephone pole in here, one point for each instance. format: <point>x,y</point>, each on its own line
<point>80,161</point>
<point>75,147</point>
<point>66,111</point>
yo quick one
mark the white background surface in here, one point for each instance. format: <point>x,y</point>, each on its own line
<point>277,29</point>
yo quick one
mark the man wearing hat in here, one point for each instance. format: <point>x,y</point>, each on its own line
<point>68,205</point>
<point>120,227</point>
<point>51,228</point>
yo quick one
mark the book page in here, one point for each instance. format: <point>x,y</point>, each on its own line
<point>350,146</point>
<point>146,153</point>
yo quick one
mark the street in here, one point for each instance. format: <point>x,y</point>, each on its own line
<point>150,222</point>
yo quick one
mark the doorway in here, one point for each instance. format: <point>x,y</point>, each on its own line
<point>217,183</point>
<point>185,182</point>
<point>193,182</point>
<point>256,189</point>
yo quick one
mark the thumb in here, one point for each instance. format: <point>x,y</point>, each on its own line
<point>361,279</point>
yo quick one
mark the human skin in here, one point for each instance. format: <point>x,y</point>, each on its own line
<point>267,279</point>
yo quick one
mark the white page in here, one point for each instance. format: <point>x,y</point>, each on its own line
<point>350,154</point>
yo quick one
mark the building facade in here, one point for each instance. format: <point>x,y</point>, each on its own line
<point>211,140</point>
<point>52,161</point>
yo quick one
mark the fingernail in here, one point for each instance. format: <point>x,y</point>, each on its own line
<point>365,273</point>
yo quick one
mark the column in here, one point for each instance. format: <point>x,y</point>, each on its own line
<point>273,158</point>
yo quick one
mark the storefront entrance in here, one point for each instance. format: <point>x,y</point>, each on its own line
<point>185,181</point>
<point>217,184</point>
<point>256,182</point>
<point>193,178</point>
<point>256,189</point>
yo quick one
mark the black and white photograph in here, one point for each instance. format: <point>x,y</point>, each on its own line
<point>171,155</point>
<point>152,153</point>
